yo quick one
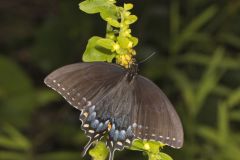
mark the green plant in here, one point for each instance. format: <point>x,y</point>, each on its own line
<point>204,63</point>
<point>118,43</point>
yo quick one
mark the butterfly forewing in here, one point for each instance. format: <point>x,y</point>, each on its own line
<point>83,84</point>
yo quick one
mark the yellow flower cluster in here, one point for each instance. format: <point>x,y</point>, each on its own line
<point>124,60</point>
<point>120,41</point>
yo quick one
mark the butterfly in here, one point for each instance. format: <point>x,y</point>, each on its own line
<point>117,103</point>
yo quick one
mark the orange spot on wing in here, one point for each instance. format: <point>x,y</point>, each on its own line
<point>109,126</point>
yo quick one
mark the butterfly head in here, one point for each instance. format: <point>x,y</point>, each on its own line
<point>132,70</point>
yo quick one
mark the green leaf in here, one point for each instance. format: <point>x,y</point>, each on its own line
<point>128,6</point>
<point>131,19</point>
<point>134,40</point>
<point>104,7</point>
<point>223,123</point>
<point>109,12</point>
<point>235,116</point>
<point>123,42</point>
<point>13,155</point>
<point>13,139</point>
<point>234,98</point>
<point>158,156</point>
<point>152,148</point>
<point>94,52</point>
<point>93,6</point>
<point>113,22</point>
<point>193,27</point>
<point>175,18</point>
<point>221,90</point>
<point>185,86</point>
<point>208,133</point>
<point>99,152</point>
<point>201,20</point>
<point>17,100</point>
<point>141,145</point>
<point>12,76</point>
<point>44,96</point>
<point>231,39</point>
<point>210,79</point>
<point>61,155</point>
<point>201,59</point>
<point>106,43</point>
<point>164,156</point>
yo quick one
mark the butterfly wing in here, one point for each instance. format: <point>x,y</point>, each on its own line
<point>100,90</point>
<point>83,84</point>
<point>155,117</point>
<point>111,102</point>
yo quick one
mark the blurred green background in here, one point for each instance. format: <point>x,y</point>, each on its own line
<point>197,65</point>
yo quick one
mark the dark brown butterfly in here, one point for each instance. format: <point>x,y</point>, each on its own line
<point>118,103</point>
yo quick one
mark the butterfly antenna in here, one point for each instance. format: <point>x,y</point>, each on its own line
<point>147,58</point>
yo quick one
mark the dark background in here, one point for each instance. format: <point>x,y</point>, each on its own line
<point>197,65</point>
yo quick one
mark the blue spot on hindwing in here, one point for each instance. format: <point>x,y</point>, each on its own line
<point>91,117</point>
<point>91,109</point>
<point>100,127</point>
<point>94,124</point>
<point>112,131</point>
<point>115,137</point>
<point>129,131</point>
<point>122,135</point>
<point>105,126</point>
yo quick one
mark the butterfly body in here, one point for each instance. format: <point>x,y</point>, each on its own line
<point>118,103</point>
